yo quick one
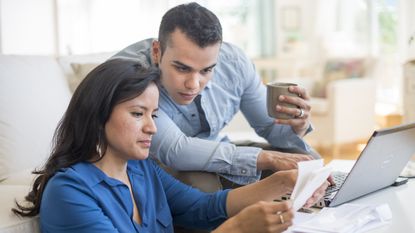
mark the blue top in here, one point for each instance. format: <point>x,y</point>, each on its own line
<point>184,143</point>
<point>82,198</point>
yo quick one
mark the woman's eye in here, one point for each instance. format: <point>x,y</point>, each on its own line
<point>154,116</point>
<point>137,114</point>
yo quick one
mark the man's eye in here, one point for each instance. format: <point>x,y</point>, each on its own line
<point>205,71</point>
<point>154,116</point>
<point>182,69</point>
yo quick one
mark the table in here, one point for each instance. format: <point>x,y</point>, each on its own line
<point>401,200</point>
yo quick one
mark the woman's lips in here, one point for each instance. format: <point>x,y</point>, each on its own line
<point>146,143</point>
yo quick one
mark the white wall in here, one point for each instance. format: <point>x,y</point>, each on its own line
<point>27,27</point>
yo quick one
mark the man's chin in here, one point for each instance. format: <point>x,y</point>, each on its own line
<point>182,101</point>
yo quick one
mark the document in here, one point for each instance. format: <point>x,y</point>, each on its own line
<point>311,175</point>
<point>347,218</point>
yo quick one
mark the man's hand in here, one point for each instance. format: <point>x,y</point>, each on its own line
<point>277,161</point>
<point>300,123</point>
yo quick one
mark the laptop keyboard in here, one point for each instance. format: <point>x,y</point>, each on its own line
<point>339,178</point>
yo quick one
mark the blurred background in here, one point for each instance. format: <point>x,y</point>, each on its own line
<point>353,56</point>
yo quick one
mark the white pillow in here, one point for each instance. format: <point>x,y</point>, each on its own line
<point>33,97</point>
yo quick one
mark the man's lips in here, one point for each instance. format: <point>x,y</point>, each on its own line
<point>188,96</point>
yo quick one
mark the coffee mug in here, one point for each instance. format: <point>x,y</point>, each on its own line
<point>274,90</point>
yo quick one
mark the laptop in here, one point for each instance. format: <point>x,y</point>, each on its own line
<point>379,164</point>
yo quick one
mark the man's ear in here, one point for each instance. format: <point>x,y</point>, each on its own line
<point>155,51</point>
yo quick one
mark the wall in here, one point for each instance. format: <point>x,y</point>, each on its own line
<point>27,27</point>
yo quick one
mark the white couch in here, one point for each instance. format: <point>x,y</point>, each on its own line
<point>34,93</point>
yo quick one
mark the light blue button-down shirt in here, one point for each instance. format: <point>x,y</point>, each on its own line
<point>83,199</point>
<point>180,141</point>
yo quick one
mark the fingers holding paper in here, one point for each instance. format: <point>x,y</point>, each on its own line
<point>317,195</point>
<point>311,183</point>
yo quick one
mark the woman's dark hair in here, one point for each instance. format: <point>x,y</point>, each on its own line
<point>80,134</point>
<point>198,23</point>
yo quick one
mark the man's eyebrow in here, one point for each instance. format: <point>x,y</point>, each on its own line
<point>181,64</point>
<point>210,67</point>
<point>188,67</point>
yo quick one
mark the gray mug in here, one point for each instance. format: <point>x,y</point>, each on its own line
<point>274,90</point>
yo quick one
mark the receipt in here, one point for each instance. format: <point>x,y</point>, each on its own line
<point>311,175</point>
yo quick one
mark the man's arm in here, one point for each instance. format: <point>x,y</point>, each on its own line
<point>253,107</point>
<point>173,148</point>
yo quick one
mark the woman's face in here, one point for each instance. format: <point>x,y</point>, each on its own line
<point>131,126</point>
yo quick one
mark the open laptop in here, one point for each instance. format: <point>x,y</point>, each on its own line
<point>380,163</point>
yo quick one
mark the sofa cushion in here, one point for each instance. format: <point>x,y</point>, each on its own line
<point>23,177</point>
<point>33,97</point>
<point>9,222</point>
<point>76,67</point>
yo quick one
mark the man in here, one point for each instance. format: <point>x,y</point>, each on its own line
<point>205,82</point>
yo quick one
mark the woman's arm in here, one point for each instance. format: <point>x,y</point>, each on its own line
<point>268,189</point>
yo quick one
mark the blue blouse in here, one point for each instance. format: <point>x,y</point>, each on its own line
<point>82,198</point>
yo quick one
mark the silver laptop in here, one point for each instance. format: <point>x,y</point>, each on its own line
<point>380,163</point>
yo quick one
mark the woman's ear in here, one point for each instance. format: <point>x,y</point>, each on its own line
<point>155,52</point>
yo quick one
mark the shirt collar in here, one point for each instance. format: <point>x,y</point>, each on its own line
<point>92,175</point>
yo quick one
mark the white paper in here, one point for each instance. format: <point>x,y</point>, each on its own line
<point>347,218</point>
<point>311,175</point>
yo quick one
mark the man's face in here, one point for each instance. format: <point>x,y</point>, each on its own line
<point>185,67</point>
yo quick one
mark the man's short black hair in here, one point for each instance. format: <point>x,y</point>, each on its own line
<point>199,24</point>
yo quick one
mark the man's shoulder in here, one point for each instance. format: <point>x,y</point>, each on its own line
<point>139,51</point>
<point>230,50</point>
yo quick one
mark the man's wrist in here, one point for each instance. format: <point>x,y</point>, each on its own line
<point>266,160</point>
<point>263,161</point>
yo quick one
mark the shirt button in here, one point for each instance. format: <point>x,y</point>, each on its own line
<point>243,171</point>
<point>193,115</point>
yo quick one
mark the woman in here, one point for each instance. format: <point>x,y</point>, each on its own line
<point>98,177</point>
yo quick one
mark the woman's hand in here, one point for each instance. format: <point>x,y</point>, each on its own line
<point>317,195</point>
<point>260,217</point>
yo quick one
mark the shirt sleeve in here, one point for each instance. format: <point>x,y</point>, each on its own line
<point>253,106</point>
<point>173,148</point>
<point>191,207</point>
<point>68,206</point>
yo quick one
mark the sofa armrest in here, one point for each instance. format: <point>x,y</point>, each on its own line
<point>352,106</point>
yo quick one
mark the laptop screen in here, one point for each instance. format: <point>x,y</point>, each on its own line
<point>380,163</point>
